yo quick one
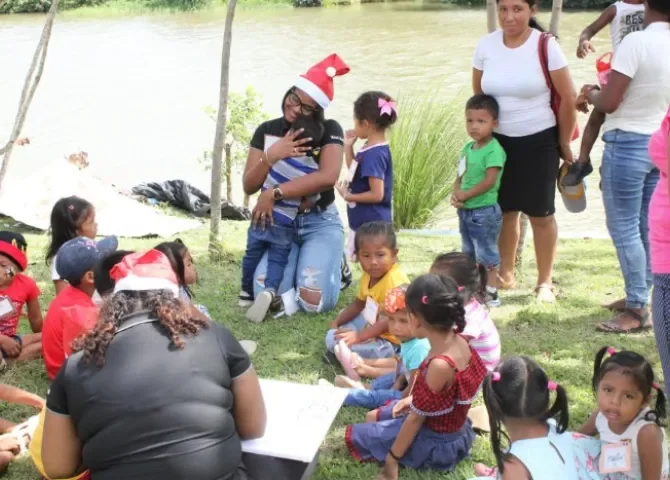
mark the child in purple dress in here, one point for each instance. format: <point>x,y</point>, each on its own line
<point>429,428</point>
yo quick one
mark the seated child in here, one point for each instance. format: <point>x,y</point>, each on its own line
<point>71,217</point>
<point>413,351</point>
<point>476,189</point>
<point>471,277</point>
<point>517,396</point>
<point>358,327</point>
<point>435,433</point>
<point>275,235</point>
<point>75,262</point>
<point>624,384</point>
<point>184,268</point>
<point>10,445</point>
<point>17,290</point>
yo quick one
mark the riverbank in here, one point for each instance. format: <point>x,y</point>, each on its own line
<point>136,7</point>
<point>560,337</point>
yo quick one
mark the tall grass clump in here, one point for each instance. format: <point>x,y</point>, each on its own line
<point>425,143</point>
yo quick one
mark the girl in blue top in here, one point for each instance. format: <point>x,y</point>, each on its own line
<point>537,446</point>
<point>369,184</point>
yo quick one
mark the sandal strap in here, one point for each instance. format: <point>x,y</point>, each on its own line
<point>633,314</point>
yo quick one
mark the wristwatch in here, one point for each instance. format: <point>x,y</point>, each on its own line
<point>277,194</point>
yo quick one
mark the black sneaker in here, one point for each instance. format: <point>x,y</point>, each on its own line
<point>491,298</point>
<point>245,300</point>
<point>576,173</point>
<point>276,304</point>
<point>347,277</point>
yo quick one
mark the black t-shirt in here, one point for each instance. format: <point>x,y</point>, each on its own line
<point>152,411</point>
<point>333,135</point>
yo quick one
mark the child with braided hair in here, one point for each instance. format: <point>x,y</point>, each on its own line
<point>429,428</point>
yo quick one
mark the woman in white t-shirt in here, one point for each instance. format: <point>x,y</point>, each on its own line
<point>635,100</point>
<point>507,66</point>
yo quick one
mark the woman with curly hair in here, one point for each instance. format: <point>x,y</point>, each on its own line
<point>152,392</point>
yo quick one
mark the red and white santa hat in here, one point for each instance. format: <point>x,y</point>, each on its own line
<point>318,81</point>
<point>150,270</point>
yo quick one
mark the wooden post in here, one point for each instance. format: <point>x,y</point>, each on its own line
<point>215,249</point>
<point>29,87</point>
<point>491,10</point>
<point>556,10</point>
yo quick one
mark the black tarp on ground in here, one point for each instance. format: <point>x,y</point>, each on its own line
<point>183,195</point>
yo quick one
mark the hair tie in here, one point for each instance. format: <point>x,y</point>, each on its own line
<point>460,289</point>
<point>611,350</point>
<point>552,386</point>
<point>655,386</point>
<point>424,300</point>
<point>495,377</point>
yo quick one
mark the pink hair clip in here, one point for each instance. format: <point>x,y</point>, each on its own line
<point>552,386</point>
<point>495,377</point>
<point>655,386</point>
<point>386,107</point>
<point>70,207</point>
<point>424,300</point>
<point>611,350</point>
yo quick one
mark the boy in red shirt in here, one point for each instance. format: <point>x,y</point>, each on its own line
<point>17,290</point>
<point>74,264</point>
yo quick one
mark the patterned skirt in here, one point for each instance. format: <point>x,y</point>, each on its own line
<point>370,442</point>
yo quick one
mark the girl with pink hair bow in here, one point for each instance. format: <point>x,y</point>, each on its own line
<point>368,188</point>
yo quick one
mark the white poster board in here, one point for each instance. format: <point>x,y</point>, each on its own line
<point>301,413</point>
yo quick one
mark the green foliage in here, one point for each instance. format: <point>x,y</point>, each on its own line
<point>426,143</point>
<point>181,5</point>
<point>40,6</point>
<point>245,113</point>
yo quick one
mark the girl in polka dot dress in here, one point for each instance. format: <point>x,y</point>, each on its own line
<point>429,428</point>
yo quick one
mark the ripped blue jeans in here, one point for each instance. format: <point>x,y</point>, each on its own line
<point>314,261</point>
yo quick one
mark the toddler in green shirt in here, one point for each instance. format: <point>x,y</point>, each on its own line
<point>475,192</point>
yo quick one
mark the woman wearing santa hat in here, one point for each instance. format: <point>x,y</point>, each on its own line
<point>152,392</point>
<point>317,249</point>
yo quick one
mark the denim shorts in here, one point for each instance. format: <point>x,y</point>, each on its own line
<point>480,229</point>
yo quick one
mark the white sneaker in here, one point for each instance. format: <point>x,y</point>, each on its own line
<point>259,309</point>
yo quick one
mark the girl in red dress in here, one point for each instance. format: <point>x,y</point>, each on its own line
<point>430,428</point>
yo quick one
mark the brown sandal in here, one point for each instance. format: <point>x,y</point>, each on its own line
<point>612,326</point>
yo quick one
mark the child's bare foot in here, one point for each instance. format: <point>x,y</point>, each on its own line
<point>482,470</point>
<point>346,382</point>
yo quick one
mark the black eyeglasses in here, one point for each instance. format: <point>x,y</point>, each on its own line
<point>294,100</point>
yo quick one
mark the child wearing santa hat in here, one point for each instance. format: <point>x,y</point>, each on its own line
<point>287,155</point>
<point>17,290</point>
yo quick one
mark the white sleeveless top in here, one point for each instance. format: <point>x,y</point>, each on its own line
<point>608,436</point>
<point>628,18</point>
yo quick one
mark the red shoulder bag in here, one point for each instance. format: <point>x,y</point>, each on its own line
<point>543,50</point>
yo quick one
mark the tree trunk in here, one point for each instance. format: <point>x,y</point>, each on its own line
<point>491,10</point>
<point>29,88</point>
<point>246,200</point>
<point>215,249</point>
<point>518,261</point>
<point>556,10</point>
<point>229,173</point>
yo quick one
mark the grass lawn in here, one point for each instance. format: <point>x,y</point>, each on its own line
<point>561,337</point>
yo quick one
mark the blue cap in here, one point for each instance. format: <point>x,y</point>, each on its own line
<point>79,255</point>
